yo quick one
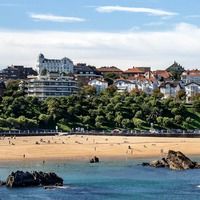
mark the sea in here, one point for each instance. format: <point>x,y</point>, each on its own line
<point>107,180</point>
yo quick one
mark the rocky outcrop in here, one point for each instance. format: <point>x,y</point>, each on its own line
<point>94,160</point>
<point>174,160</point>
<point>27,179</point>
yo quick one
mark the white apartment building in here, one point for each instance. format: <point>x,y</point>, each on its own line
<point>170,89</point>
<point>192,89</point>
<point>64,65</point>
<point>191,76</point>
<point>51,85</point>
<point>125,85</point>
<point>98,84</point>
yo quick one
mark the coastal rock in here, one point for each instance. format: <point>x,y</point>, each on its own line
<point>94,160</point>
<point>174,160</point>
<point>2,183</point>
<point>27,179</point>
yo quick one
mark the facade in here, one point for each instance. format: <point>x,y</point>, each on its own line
<point>162,75</point>
<point>113,70</point>
<point>16,72</point>
<point>170,89</point>
<point>64,65</point>
<point>192,89</point>
<point>134,72</point>
<point>85,73</point>
<point>191,76</point>
<point>98,84</point>
<point>125,85</point>
<point>51,85</point>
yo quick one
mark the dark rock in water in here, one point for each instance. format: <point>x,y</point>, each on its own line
<point>174,160</point>
<point>145,164</point>
<point>94,160</point>
<point>2,183</point>
<point>48,178</point>
<point>27,179</point>
<point>177,160</point>
<point>21,179</point>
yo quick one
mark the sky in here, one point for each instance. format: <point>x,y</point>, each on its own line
<point>122,33</point>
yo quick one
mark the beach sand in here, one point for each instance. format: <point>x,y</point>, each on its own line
<point>77,147</point>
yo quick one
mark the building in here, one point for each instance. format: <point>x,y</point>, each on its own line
<point>191,89</point>
<point>162,75</point>
<point>51,85</point>
<point>133,72</point>
<point>64,65</point>
<point>98,84</point>
<point>125,85</point>
<point>85,73</point>
<point>144,69</point>
<point>191,76</point>
<point>113,70</point>
<point>170,89</point>
<point>17,72</point>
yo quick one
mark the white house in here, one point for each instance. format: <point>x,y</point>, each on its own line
<point>170,89</point>
<point>191,76</point>
<point>191,90</point>
<point>98,84</point>
<point>125,85</point>
<point>64,65</point>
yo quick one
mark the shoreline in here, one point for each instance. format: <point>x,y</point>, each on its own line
<point>84,147</point>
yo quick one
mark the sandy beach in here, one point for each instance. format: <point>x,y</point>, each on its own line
<point>84,147</point>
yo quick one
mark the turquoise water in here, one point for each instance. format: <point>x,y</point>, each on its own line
<point>108,180</point>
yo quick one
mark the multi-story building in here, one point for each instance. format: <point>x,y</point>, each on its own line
<point>192,89</point>
<point>191,76</point>
<point>64,65</point>
<point>51,85</point>
<point>16,72</point>
<point>170,89</point>
<point>125,85</point>
<point>98,84</point>
<point>133,72</point>
<point>108,70</point>
<point>85,73</point>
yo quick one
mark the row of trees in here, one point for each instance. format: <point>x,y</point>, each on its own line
<point>108,110</point>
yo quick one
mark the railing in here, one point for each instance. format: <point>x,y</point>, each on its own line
<point>36,132</point>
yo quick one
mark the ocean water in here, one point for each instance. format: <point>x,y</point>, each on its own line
<point>108,180</point>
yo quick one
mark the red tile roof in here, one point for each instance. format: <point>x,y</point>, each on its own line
<point>134,70</point>
<point>163,73</point>
<point>109,69</point>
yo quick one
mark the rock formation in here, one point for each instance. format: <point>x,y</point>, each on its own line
<point>94,160</point>
<point>27,179</point>
<point>174,160</point>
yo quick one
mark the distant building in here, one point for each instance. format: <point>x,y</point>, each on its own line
<point>191,76</point>
<point>106,70</point>
<point>98,84</point>
<point>176,70</point>
<point>51,85</point>
<point>170,89</point>
<point>16,72</point>
<point>192,89</point>
<point>162,75</point>
<point>133,72</point>
<point>2,88</point>
<point>125,85</point>
<point>64,65</point>
<point>84,73</point>
<point>144,69</point>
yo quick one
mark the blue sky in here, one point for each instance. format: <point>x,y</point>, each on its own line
<point>125,33</point>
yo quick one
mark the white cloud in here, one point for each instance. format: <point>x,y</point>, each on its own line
<point>156,12</point>
<point>126,49</point>
<point>55,18</point>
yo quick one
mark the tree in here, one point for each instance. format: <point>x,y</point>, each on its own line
<point>196,105</point>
